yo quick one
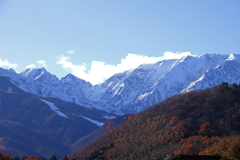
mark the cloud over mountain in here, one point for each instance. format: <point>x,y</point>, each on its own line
<point>40,63</point>
<point>6,64</point>
<point>98,71</point>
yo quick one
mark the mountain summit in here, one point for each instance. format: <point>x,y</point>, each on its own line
<point>134,90</point>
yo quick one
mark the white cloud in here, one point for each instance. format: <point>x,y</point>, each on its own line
<point>71,51</point>
<point>42,63</point>
<point>171,55</point>
<point>6,64</point>
<point>100,71</point>
<point>31,66</point>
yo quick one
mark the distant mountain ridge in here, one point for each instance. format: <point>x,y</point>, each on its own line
<point>33,125</point>
<point>134,90</point>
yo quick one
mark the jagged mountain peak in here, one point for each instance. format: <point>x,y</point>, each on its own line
<point>39,75</point>
<point>34,73</point>
<point>6,71</point>
<point>72,78</point>
<point>12,70</point>
<point>136,89</point>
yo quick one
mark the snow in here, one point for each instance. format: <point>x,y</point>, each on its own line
<point>136,89</point>
<point>143,95</point>
<point>231,57</point>
<point>192,84</point>
<point>109,117</point>
<point>28,71</point>
<point>100,124</point>
<point>118,88</point>
<point>54,108</point>
<point>39,75</point>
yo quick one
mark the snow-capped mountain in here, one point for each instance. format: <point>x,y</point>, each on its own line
<point>151,83</point>
<point>134,90</point>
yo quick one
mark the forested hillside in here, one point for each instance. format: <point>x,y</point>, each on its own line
<point>198,122</point>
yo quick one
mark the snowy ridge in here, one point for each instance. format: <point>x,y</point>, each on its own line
<point>134,90</point>
<point>54,108</point>
<point>109,117</point>
<point>99,124</point>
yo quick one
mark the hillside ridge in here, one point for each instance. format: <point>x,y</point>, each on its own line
<point>204,122</point>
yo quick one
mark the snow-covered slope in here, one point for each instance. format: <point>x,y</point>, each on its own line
<point>151,83</point>
<point>227,71</point>
<point>134,90</point>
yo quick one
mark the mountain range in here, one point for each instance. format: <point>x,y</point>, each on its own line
<point>134,90</point>
<point>43,115</point>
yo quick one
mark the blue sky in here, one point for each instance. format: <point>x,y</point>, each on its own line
<point>93,39</point>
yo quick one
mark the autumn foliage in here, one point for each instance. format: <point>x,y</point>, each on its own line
<point>4,156</point>
<point>227,148</point>
<point>193,123</point>
<point>204,122</point>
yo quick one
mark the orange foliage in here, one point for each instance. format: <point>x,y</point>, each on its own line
<point>183,124</point>
<point>227,148</point>
<point>204,127</point>
<point>148,120</point>
<point>131,116</point>
<point>195,144</point>
<point>4,156</point>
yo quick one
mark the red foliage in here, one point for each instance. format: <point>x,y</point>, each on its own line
<point>131,116</point>
<point>4,156</point>
<point>204,127</point>
<point>183,124</point>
